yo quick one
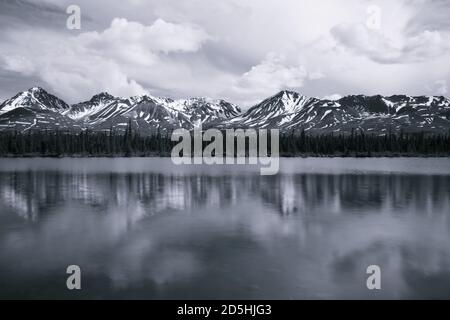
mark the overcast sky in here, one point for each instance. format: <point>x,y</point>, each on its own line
<point>239,50</point>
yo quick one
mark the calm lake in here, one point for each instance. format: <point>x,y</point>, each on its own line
<point>145,228</point>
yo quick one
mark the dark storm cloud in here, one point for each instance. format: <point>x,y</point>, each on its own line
<point>21,13</point>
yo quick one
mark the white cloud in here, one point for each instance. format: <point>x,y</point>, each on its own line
<point>316,75</point>
<point>126,37</point>
<point>380,47</point>
<point>18,63</point>
<point>442,87</point>
<point>269,76</point>
<point>335,96</point>
<point>222,49</point>
<point>113,60</point>
<point>438,87</point>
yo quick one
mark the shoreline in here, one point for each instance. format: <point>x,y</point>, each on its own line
<point>165,155</point>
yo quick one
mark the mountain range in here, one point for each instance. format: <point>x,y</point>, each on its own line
<point>289,111</point>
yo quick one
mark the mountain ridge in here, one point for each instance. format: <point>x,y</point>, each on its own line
<point>289,111</point>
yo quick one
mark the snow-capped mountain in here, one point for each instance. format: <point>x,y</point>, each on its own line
<point>36,109</point>
<point>205,111</point>
<point>84,110</point>
<point>34,99</point>
<point>289,111</point>
<point>275,111</point>
<point>147,113</point>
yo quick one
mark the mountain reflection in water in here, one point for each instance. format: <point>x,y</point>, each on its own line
<point>193,234</point>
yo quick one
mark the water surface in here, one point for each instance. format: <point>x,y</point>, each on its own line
<point>144,228</point>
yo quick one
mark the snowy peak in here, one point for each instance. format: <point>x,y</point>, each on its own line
<point>289,111</point>
<point>34,98</point>
<point>104,111</point>
<point>282,102</point>
<point>83,110</point>
<point>103,96</point>
<point>186,113</point>
<point>201,110</point>
<point>274,111</point>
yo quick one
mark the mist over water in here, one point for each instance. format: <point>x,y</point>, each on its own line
<point>144,228</point>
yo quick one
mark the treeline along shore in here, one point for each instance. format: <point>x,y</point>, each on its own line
<point>130,143</point>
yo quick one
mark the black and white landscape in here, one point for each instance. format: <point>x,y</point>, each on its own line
<point>36,109</point>
<point>96,204</point>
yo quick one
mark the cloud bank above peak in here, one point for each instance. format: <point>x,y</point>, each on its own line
<point>242,51</point>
